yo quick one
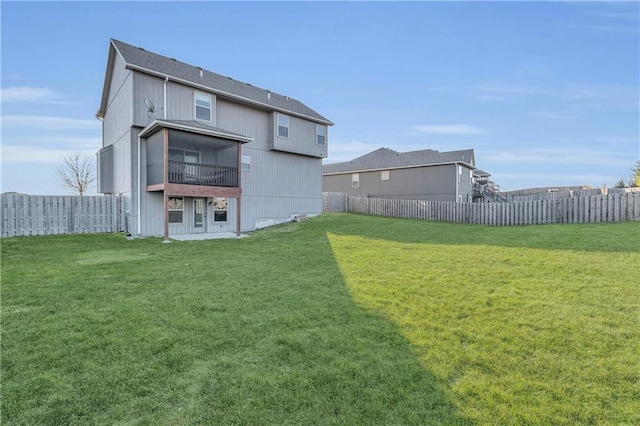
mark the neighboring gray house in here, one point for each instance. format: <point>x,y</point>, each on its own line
<point>194,151</point>
<point>417,175</point>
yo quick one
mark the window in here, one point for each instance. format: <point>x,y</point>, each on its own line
<point>321,134</point>
<point>384,175</point>
<point>460,174</point>
<point>245,163</point>
<point>203,106</point>
<point>176,209</point>
<point>470,177</point>
<point>283,126</point>
<point>220,208</point>
<point>355,180</point>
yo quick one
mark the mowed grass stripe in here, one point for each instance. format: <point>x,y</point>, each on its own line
<point>520,335</point>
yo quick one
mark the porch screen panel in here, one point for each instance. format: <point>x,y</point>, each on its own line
<point>155,159</point>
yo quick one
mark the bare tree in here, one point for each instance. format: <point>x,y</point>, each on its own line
<point>76,173</point>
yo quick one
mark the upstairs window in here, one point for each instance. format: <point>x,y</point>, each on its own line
<point>203,106</point>
<point>384,175</point>
<point>321,135</point>
<point>245,163</point>
<point>283,126</point>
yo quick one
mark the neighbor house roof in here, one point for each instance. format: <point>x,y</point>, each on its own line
<point>139,59</point>
<point>481,173</point>
<point>385,158</point>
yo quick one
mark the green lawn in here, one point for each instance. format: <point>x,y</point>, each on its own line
<point>343,319</point>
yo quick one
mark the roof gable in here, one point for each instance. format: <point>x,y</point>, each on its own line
<point>385,158</point>
<point>139,59</point>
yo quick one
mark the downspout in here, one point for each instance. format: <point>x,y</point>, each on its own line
<point>139,183</point>
<point>457,172</point>
<point>164,106</point>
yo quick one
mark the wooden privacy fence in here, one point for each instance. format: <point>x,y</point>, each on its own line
<point>59,214</point>
<point>587,209</point>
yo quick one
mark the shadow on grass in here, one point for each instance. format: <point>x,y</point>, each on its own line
<point>601,237</point>
<point>261,330</point>
<point>508,325</point>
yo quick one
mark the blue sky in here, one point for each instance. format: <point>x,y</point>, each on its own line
<point>546,93</point>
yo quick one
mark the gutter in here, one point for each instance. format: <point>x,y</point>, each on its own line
<point>139,183</point>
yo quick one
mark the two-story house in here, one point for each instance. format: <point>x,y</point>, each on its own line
<point>197,152</point>
<point>426,175</point>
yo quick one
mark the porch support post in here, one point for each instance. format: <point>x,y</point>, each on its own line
<point>238,200</point>
<point>166,216</point>
<point>165,172</point>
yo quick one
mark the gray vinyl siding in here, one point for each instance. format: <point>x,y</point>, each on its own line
<point>246,121</point>
<point>434,183</point>
<point>105,170</point>
<point>278,187</point>
<point>122,162</point>
<point>301,140</point>
<point>146,87</point>
<point>152,213</point>
<point>465,188</point>
<point>119,111</point>
<point>279,174</point>
<point>260,211</point>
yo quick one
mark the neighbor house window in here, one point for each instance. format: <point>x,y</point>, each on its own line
<point>246,163</point>
<point>460,174</point>
<point>470,177</point>
<point>176,209</point>
<point>355,180</point>
<point>220,207</point>
<point>384,175</point>
<point>283,126</point>
<point>203,106</point>
<point>321,134</point>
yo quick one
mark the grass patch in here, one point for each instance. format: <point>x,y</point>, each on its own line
<point>343,319</point>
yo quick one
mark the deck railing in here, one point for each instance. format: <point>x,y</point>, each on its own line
<point>187,173</point>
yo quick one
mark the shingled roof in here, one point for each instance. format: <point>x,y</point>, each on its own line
<point>139,59</point>
<point>385,158</point>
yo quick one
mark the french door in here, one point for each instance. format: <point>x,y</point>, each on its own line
<point>199,223</point>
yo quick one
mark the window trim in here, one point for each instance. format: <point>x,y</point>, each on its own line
<point>278,125</point>
<point>321,135</point>
<point>196,106</point>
